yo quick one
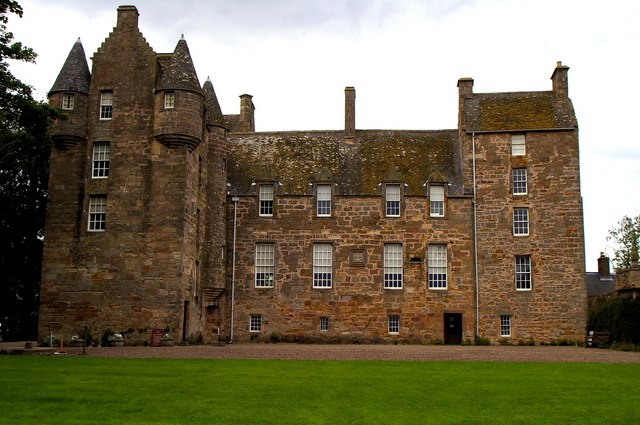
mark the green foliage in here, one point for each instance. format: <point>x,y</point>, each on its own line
<point>619,315</point>
<point>482,341</point>
<point>24,169</point>
<point>78,390</point>
<point>626,236</point>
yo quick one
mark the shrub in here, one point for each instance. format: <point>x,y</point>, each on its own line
<point>275,337</point>
<point>620,316</point>
<point>482,341</point>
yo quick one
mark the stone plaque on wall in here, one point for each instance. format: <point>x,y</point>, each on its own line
<point>357,257</point>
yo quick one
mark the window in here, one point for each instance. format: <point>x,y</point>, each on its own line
<point>521,221</point>
<point>392,195</point>
<point>518,147</point>
<point>255,323</point>
<point>68,101</point>
<point>169,100</point>
<point>519,176</point>
<point>323,200</point>
<point>436,204</point>
<point>394,325</point>
<point>523,273</point>
<point>106,105</point>
<point>100,167</point>
<point>97,213</point>
<point>324,324</point>
<point>322,265</point>
<point>266,200</point>
<point>437,266</point>
<point>393,266</point>
<point>264,265</point>
<point>505,325</point>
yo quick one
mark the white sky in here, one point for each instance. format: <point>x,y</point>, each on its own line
<point>404,58</point>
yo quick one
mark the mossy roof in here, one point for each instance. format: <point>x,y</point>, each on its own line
<point>519,111</point>
<point>180,74</point>
<point>357,165</point>
<point>74,75</point>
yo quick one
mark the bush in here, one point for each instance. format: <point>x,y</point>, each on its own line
<point>482,341</point>
<point>275,337</point>
<point>620,316</point>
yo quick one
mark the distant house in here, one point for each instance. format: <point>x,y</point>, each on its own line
<point>166,213</point>
<point>602,281</point>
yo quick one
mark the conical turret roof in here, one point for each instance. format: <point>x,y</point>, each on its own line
<point>214,112</point>
<point>180,74</point>
<point>74,75</point>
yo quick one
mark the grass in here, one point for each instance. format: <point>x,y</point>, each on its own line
<point>80,390</point>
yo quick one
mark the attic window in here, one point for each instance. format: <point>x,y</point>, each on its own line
<point>68,101</point>
<point>169,100</point>
<point>518,147</point>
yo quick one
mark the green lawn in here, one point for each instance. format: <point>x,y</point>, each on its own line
<point>80,390</point>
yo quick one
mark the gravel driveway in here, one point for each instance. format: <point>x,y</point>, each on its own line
<point>370,352</point>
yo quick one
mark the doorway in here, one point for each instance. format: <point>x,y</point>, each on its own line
<point>453,328</point>
<point>185,321</point>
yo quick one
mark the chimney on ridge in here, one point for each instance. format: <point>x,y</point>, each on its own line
<point>127,17</point>
<point>603,266</point>
<point>560,80</point>
<point>349,112</point>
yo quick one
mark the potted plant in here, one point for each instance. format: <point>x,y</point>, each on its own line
<point>50,340</point>
<point>76,341</point>
<point>166,340</point>
<point>115,339</point>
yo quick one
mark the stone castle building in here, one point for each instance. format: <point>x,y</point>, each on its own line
<point>165,213</point>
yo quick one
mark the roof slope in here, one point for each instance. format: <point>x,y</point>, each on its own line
<point>180,74</point>
<point>74,75</point>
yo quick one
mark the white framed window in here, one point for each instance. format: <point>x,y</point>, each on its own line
<point>394,325</point>
<point>519,177</point>
<point>266,200</point>
<point>523,273</point>
<point>393,266</point>
<point>323,200</point>
<point>324,324</point>
<point>97,213</point>
<point>437,261</point>
<point>392,200</point>
<point>106,105</point>
<point>100,161</point>
<point>255,323</point>
<point>169,100</point>
<point>521,221</point>
<point>322,265</point>
<point>505,325</point>
<point>265,269</point>
<point>518,147</point>
<point>68,101</point>
<point>436,201</point>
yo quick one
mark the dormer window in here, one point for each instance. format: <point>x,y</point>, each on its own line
<point>68,101</point>
<point>436,201</point>
<point>392,200</point>
<point>518,147</point>
<point>106,105</point>
<point>265,198</point>
<point>323,200</point>
<point>169,100</point>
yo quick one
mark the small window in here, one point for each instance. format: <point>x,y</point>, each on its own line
<point>266,200</point>
<point>322,265</point>
<point>68,101</point>
<point>437,266</point>
<point>100,167</point>
<point>505,325</point>
<point>169,100</point>
<point>521,221</point>
<point>518,147</point>
<point>392,196</point>
<point>264,265</point>
<point>323,200</point>
<point>519,181</point>
<point>255,323</point>
<point>324,324</point>
<point>393,266</point>
<point>97,213</point>
<point>436,201</point>
<point>106,105</point>
<point>394,325</point>
<point>523,273</point>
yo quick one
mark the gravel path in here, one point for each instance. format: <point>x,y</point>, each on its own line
<point>370,352</point>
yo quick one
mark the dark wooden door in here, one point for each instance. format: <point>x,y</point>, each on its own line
<point>453,328</point>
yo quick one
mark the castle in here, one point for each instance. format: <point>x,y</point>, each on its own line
<point>165,213</point>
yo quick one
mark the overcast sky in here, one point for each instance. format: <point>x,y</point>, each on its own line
<point>404,58</point>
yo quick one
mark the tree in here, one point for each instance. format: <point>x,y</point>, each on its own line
<point>24,170</point>
<point>626,236</point>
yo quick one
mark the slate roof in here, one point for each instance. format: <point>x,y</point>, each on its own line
<point>180,74</point>
<point>519,111</point>
<point>356,165</point>
<point>214,112</point>
<point>599,285</point>
<point>74,75</point>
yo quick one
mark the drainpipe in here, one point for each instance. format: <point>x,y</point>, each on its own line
<point>475,231</point>
<point>235,200</point>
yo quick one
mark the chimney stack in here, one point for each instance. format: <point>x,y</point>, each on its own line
<point>247,120</point>
<point>560,81</point>
<point>603,266</point>
<point>349,112</point>
<point>127,17</point>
